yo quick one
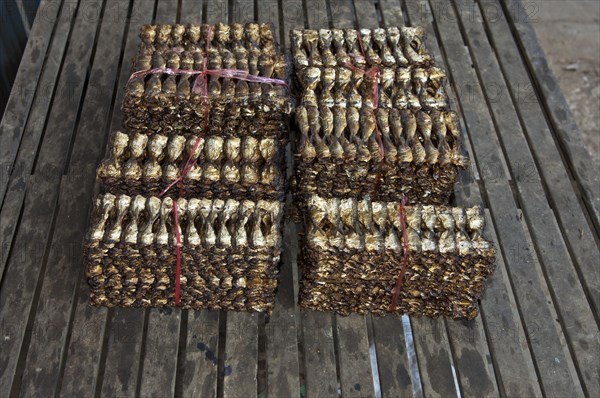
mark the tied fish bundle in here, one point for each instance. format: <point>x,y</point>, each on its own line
<point>353,252</point>
<point>364,48</point>
<point>399,88</point>
<point>386,153</point>
<point>222,167</point>
<point>168,93</point>
<point>229,252</point>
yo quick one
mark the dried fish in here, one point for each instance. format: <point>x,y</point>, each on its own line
<point>442,279</point>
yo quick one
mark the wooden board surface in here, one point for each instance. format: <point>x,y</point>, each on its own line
<point>538,328</point>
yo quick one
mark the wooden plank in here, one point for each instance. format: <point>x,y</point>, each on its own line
<point>515,370</point>
<point>563,122</point>
<point>319,354</point>
<point>197,376</point>
<point>121,366</point>
<point>559,189</point>
<point>392,360</point>
<point>17,111</point>
<point>554,362</point>
<point>242,11</point>
<point>580,325</point>
<point>316,13</point>
<point>86,345</point>
<point>22,276</point>
<point>42,370</point>
<point>366,14</point>
<point>32,132</point>
<point>241,355</point>
<point>281,330</point>
<point>70,87</point>
<point>161,347</point>
<point>293,18</point>
<point>391,12</point>
<point>216,11</point>
<point>356,378</point>
<point>342,14</point>
<point>191,11</point>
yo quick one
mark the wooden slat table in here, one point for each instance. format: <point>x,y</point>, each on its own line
<point>538,332</point>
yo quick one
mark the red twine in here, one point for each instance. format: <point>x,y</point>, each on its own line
<point>400,279</point>
<point>189,164</point>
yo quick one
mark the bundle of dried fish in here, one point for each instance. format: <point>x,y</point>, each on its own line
<point>364,48</point>
<point>399,88</point>
<point>179,81</point>
<point>229,252</point>
<point>234,167</point>
<point>353,253</point>
<point>387,154</point>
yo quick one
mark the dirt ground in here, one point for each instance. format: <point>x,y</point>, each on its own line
<point>569,33</point>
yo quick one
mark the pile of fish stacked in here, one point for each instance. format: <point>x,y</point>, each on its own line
<point>375,134</point>
<point>190,210</point>
<point>229,255</point>
<point>172,95</point>
<point>353,252</point>
<point>241,167</point>
<point>373,117</point>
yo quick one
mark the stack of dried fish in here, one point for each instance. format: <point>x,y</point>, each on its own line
<point>231,167</point>
<point>353,253</point>
<point>363,49</point>
<point>349,152</point>
<point>167,91</point>
<point>229,252</point>
<point>400,88</point>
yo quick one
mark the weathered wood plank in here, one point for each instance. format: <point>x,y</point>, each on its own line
<point>316,13</point>
<point>198,375</point>
<point>559,189</point>
<point>559,379</point>
<point>120,369</point>
<point>514,366</point>
<point>293,18</point>
<point>216,11</point>
<point>19,105</point>
<point>241,355</point>
<point>391,12</point>
<point>55,302</point>
<point>366,14</point>
<point>160,354</point>
<point>242,11</point>
<point>66,104</point>
<point>191,11</point>
<point>342,14</point>
<point>319,354</point>
<point>281,330</point>
<point>356,378</point>
<point>580,325</point>
<point>563,122</point>
<point>127,324</point>
<point>33,129</point>
<point>392,360</point>
<point>22,276</point>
